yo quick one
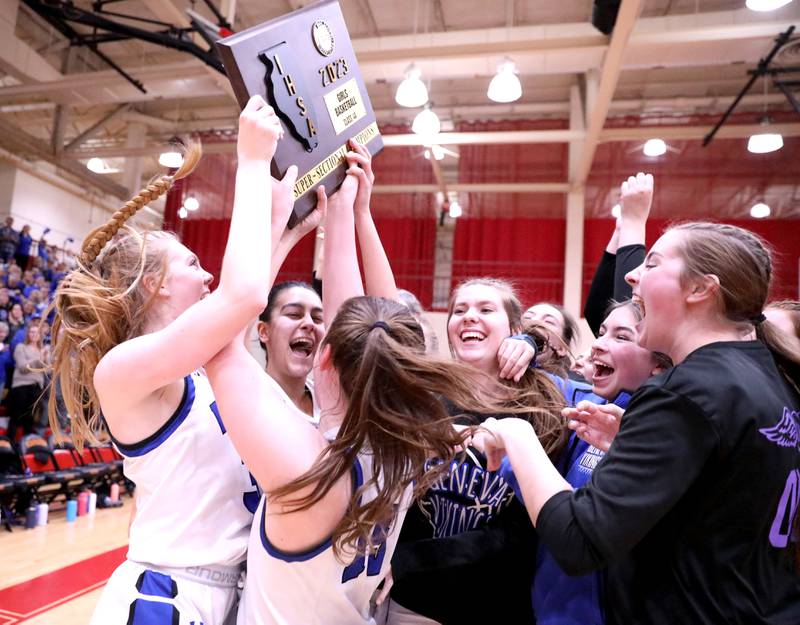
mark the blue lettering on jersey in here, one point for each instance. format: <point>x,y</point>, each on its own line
<point>373,561</point>
<point>465,499</point>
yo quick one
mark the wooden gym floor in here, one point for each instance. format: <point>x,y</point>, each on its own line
<point>54,574</point>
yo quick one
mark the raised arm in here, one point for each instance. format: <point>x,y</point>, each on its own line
<point>636,200</point>
<point>139,366</point>
<point>287,238</point>
<point>340,262</point>
<point>601,290</point>
<point>378,274</point>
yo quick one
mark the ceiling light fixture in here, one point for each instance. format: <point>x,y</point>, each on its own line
<point>505,86</point>
<point>191,203</point>
<point>100,166</point>
<point>182,212</point>
<point>655,147</point>
<point>765,142</point>
<point>765,5</point>
<point>760,210</point>
<point>455,210</point>
<point>426,123</point>
<point>173,160</point>
<point>411,92</point>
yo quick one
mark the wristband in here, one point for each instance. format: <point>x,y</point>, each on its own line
<point>529,340</point>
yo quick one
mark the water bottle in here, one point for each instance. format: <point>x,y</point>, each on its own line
<point>41,514</point>
<point>30,517</point>
<point>72,510</point>
<point>83,503</point>
<point>92,503</point>
<point>114,494</point>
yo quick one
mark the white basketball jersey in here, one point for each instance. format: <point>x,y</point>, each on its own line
<point>315,588</point>
<point>194,497</point>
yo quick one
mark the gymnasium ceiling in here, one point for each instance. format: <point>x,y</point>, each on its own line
<point>667,62</point>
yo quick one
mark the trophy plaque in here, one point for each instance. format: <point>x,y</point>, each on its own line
<point>303,64</point>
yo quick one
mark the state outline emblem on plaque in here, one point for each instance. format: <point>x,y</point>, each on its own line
<point>304,65</point>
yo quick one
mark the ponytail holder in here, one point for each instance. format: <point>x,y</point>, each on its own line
<point>758,320</point>
<point>381,324</point>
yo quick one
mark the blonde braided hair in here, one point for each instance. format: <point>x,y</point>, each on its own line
<point>98,238</point>
<point>103,303</point>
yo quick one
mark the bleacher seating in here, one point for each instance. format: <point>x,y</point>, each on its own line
<point>41,472</point>
<point>96,474</point>
<point>17,488</point>
<point>39,459</point>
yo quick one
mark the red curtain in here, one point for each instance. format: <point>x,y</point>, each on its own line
<point>521,236</point>
<point>722,180</point>
<point>546,162</point>
<point>528,252</point>
<point>406,222</point>
<point>783,236</point>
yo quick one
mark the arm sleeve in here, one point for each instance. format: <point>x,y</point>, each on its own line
<point>662,446</point>
<point>629,257</point>
<point>600,291</point>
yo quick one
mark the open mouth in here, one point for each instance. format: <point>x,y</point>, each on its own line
<point>601,370</point>
<point>639,303</point>
<point>302,346</point>
<point>472,336</point>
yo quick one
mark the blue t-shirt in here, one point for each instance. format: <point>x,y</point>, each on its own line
<point>24,245</point>
<point>559,599</point>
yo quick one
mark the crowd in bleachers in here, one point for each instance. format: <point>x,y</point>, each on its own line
<point>33,466</point>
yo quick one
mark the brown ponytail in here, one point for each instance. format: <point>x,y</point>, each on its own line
<point>395,412</point>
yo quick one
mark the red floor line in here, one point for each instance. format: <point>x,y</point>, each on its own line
<point>50,589</point>
<point>64,600</point>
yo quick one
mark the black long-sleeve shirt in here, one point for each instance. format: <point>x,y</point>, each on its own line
<point>691,509</point>
<point>609,283</point>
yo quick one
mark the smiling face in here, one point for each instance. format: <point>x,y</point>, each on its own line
<point>659,290</point>
<point>553,320</point>
<point>619,362</point>
<point>293,332</point>
<point>477,325</point>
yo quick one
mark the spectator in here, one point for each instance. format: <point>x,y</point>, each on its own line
<point>16,320</point>
<point>6,360</point>
<point>38,301</point>
<point>5,304</point>
<point>44,252</point>
<point>23,253</point>
<point>8,240</point>
<point>13,283</point>
<point>28,309</point>
<point>26,385</point>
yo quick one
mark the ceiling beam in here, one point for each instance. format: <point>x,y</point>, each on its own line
<point>505,137</point>
<point>95,128</point>
<point>490,187</point>
<point>537,50</point>
<point>107,78</point>
<point>22,144</point>
<point>609,76</point>
<point>16,56</point>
